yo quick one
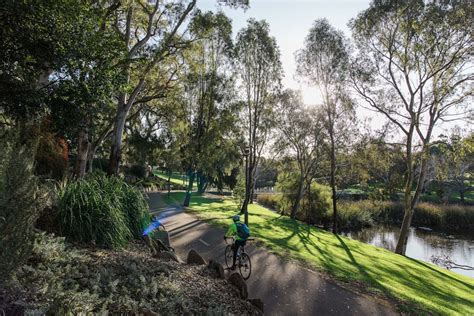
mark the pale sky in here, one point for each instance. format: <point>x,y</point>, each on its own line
<point>290,21</point>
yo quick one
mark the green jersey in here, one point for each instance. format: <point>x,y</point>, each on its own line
<point>232,231</point>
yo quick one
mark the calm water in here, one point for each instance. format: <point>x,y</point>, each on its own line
<point>422,245</point>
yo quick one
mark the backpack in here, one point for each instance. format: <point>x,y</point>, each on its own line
<point>243,231</point>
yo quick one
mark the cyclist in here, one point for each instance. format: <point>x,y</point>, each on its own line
<point>241,232</point>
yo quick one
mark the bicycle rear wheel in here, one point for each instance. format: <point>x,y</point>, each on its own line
<point>245,266</point>
<point>229,254</point>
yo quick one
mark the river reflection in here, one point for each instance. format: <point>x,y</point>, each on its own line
<point>421,244</point>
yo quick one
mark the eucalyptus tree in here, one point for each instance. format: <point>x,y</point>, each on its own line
<point>209,91</point>
<point>150,35</point>
<point>301,135</point>
<point>324,62</point>
<point>259,70</point>
<point>415,68</point>
<point>59,61</point>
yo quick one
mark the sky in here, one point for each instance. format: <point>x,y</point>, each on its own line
<point>290,21</point>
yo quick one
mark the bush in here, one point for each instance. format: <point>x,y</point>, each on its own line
<point>100,164</point>
<point>136,209</point>
<point>51,157</point>
<point>315,203</point>
<point>20,201</point>
<point>100,209</point>
<point>138,171</point>
<point>269,200</point>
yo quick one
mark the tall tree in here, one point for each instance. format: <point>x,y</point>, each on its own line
<point>260,72</point>
<point>209,90</point>
<point>149,32</point>
<point>301,134</point>
<point>415,68</point>
<point>324,62</point>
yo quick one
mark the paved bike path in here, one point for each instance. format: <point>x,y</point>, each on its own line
<point>285,287</point>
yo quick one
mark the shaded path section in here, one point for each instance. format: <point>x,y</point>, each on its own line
<point>285,287</point>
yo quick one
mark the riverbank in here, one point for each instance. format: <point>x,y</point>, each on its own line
<point>355,215</point>
<point>417,285</point>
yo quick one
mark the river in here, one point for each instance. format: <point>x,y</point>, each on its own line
<point>422,244</point>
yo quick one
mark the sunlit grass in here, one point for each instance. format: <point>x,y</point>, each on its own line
<point>175,178</point>
<point>420,283</point>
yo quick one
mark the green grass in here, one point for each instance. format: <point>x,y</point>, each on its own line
<point>416,283</point>
<point>176,177</point>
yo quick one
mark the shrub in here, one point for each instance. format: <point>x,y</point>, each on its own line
<point>51,157</point>
<point>101,209</point>
<point>136,209</point>
<point>269,200</point>
<point>138,171</point>
<point>20,201</point>
<point>100,164</point>
<point>316,201</point>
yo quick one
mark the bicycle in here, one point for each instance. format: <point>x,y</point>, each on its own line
<point>242,260</point>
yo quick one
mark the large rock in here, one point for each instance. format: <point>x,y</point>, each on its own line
<point>167,256</point>
<point>236,280</point>
<point>195,258</point>
<point>216,268</point>
<point>258,303</point>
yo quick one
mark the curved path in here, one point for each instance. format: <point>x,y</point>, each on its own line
<point>285,287</point>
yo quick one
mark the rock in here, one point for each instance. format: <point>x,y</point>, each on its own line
<point>167,256</point>
<point>236,280</point>
<point>217,268</point>
<point>258,303</point>
<point>195,258</point>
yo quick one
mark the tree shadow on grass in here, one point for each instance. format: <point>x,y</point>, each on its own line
<point>442,274</point>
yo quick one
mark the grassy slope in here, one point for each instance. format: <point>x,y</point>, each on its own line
<point>432,288</point>
<point>175,178</point>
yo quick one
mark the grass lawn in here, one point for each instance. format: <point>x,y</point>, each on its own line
<point>176,177</point>
<point>418,283</point>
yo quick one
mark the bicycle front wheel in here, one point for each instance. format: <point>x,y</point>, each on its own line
<point>245,266</point>
<point>229,254</point>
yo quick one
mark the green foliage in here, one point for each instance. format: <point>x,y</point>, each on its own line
<point>20,201</point>
<point>51,157</point>
<point>138,171</point>
<point>316,201</point>
<point>136,209</point>
<point>103,210</point>
<point>269,200</point>
<point>63,279</point>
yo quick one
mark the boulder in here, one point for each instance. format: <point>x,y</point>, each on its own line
<point>258,303</point>
<point>236,280</point>
<point>167,256</point>
<point>216,268</point>
<point>195,258</point>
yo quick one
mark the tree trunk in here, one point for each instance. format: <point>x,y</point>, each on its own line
<point>461,195</point>
<point>248,184</point>
<point>90,158</point>
<point>82,153</point>
<point>202,183</point>
<point>299,196</point>
<point>403,237</point>
<point>116,150</point>
<point>189,191</point>
<point>333,186</point>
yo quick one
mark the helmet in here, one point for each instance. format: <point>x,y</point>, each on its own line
<point>236,218</point>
